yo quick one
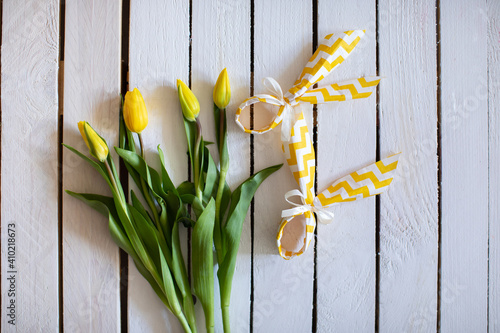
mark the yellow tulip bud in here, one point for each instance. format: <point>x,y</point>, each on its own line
<point>134,111</point>
<point>81,125</point>
<point>97,146</point>
<point>189,102</point>
<point>222,90</point>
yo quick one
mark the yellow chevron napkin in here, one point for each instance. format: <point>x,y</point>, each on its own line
<point>293,238</point>
<point>334,49</point>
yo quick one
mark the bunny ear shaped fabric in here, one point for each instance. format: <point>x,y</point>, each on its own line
<point>342,91</point>
<point>333,50</point>
<point>367,182</point>
<point>297,225</point>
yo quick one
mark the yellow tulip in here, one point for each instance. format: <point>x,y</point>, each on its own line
<point>222,90</point>
<point>189,102</point>
<point>134,111</point>
<point>97,146</point>
<point>81,125</point>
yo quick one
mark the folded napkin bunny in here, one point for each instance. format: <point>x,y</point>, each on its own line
<point>298,147</point>
<point>299,152</point>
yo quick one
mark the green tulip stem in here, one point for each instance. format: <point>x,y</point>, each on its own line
<point>220,190</point>
<point>225,319</point>
<point>184,323</point>
<point>141,143</point>
<point>145,190</point>
<point>112,178</point>
<point>197,165</point>
<point>116,189</point>
<point>224,166</point>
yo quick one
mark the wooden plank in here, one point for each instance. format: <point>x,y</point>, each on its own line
<point>494,161</point>
<point>283,290</point>
<point>221,38</point>
<point>29,169</point>
<point>91,279</point>
<point>159,55</point>
<point>347,142</point>
<point>409,210</point>
<point>464,185</point>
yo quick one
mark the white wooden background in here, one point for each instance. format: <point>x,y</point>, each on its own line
<point>423,257</point>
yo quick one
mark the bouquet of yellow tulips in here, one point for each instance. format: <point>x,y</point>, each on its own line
<point>150,235</point>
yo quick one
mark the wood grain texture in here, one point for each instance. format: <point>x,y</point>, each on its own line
<point>494,162</point>
<point>464,154</point>
<point>159,55</point>
<point>283,289</point>
<point>408,124</point>
<point>91,92</point>
<point>283,294</point>
<point>221,38</point>
<point>347,142</point>
<point>30,54</point>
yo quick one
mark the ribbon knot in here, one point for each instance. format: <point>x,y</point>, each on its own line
<point>334,49</point>
<point>324,216</point>
<point>286,108</point>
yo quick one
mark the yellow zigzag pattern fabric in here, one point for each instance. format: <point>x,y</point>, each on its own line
<point>363,183</point>
<point>299,153</point>
<point>333,50</point>
<point>298,147</point>
<point>369,181</point>
<point>352,89</point>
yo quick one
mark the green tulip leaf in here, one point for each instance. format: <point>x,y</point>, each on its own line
<point>202,262</point>
<point>181,277</point>
<point>102,204</point>
<point>147,233</point>
<point>147,275</point>
<point>99,167</point>
<point>168,285</point>
<point>186,188</point>
<point>221,135</point>
<point>122,130</point>
<point>125,217</point>
<point>191,130</point>
<point>125,136</point>
<point>240,202</point>
<point>147,173</point>
<point>140,208</point>
<point>210,177</point>
<point>195,203</point>
<point>168,185</point>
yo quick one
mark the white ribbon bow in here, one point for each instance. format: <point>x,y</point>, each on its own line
<point>324,216</point>
<point>288,115</point>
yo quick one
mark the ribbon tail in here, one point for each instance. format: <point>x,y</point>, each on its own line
<point>286,213</point>
<point>273,86</point>
<point>287,123</point>
<point>324,216</point>
<point>286,130</point>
